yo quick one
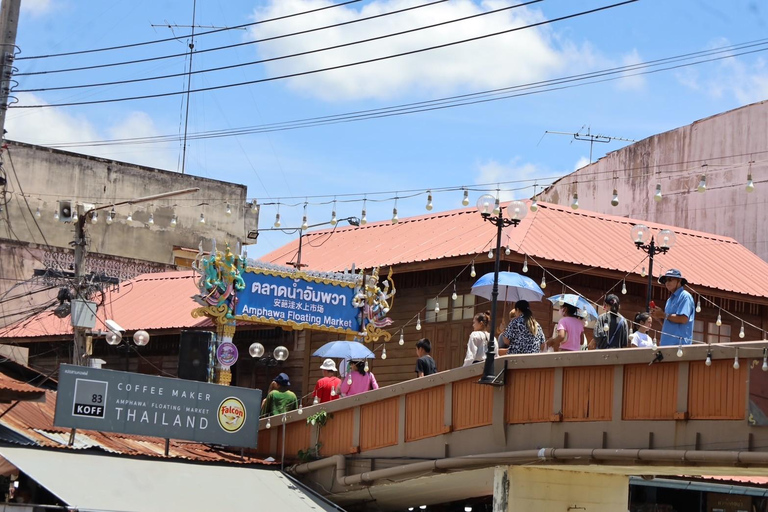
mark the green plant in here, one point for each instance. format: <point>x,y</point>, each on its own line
<point>319,419</point>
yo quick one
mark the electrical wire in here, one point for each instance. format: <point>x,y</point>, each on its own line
<point>156,41</point>
<point>331,68</point>
<point>218,48</point>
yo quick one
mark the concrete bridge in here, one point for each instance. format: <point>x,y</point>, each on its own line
<point>536,441</point>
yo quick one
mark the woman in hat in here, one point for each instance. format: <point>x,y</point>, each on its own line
<point>524,333</point>
<point>280,400</point>
<point>327,387</point>
<point>359,380</point>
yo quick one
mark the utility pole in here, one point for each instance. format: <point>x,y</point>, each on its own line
<point>591,138</point>
<point>82,289</point>
<point>9,22</point>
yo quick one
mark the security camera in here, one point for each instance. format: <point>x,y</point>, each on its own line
<point>114,326</point>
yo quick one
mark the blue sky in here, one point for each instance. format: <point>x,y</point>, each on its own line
<point>463,146</point>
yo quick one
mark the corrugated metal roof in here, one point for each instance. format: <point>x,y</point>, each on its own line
<point>552,234</point>
<point>152,302</point>
<point>34,421</point>
<point>21,388</point>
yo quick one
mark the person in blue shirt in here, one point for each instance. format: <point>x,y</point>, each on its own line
<point>679,311</point>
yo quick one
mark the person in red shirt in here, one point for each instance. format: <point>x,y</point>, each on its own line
<point>327,388</point>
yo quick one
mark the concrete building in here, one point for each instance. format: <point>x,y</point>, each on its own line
<point>725,148</point>
<point>141,238</point>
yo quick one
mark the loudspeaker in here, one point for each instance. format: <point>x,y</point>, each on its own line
<point>194,354</point>
<point>65,211</point>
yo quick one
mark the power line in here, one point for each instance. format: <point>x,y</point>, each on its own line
<point>330,68</point>
<point>237,27</point>
<point>440,103</point>
<point>217,48</point>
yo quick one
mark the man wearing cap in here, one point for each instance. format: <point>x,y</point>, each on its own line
<point>679,310</point>
<point>327,388</point>
<point>281,399</point>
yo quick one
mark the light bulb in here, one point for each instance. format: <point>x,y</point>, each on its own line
<point>665,242</point>
<point>129,218</point>
<point>657,196</point>
<point>333,393</point>
<point>741,331</point>
<point>472,272</point>
<point>304,225</point>
<point>640,236</point>
<point>418,323</point>
<point>534,205</point>
<point>615,199</point>
<point>525,265</point>
<point>268,425</point>
<point>384,352</point>
<point>507,251</point>
<point>429,201</point>
<point>151,219</point>
<point>395,220</point>
<point>702,184</point>
<point>366,369</point>
<point>349,381</point>
<point>454,295</point>
<point>95,218</point>
<point>56,215</point>
<point>437,308</point>
<point>300,411</point>
<point>74,214</point>
<point>606,327</point>
<point>643,273</point>
<point>719,320</point>
<point>229,210</point>
<point>317,399</point>
<point>708,362</point>
<point>111,216</point>
<point>765,360</point>
<point>364,219</point>
<point>543,281</point>
<point>465,201</point>
<point>174,221</point>
<point>334,221</point>
<point>490,254</point>
<point>680,352</point>
<point>37,212</point>
<point>255,206</point>
<point>623,288</point>
<point>486,208</point>
<point>560,300</point>
<point>736,362</point>
<point>202,218</point>
<point>698,305</point>
<point>402,339</point>
<point>277,220</point>
<point>496,207</point>
<point>586,322</point>
<point>750,184</point>
<point>575,202</point>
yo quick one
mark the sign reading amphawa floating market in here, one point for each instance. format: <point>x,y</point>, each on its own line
<point>298,300</point>
<point>132,403</point>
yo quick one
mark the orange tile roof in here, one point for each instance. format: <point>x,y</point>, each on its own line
<point>151,302</point>
<point>552,234</point>
<point>18,388</point>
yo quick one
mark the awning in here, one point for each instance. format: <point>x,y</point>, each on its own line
<point>88,482</point>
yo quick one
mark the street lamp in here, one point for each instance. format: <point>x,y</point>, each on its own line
<point>640,234</point>
<point>114,337</point>
<point>256,350</point>
<point>489,209</point>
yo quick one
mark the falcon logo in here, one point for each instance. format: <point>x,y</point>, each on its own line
<point>231,414</point>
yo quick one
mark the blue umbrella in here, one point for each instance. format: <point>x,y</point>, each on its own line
<point>353,350</point>
<point>576,301</point>
<point>512,287</point>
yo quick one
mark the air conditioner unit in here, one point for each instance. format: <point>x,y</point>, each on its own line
<point>83,314</point>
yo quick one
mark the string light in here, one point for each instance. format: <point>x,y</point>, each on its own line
<point>111,216</point>
<point>472,272</point>
<point>465,200</point>
<point>643,273</point>
<point>507,251</point>
<point>383,352</point>
<point>575,202</point>
<point>497,204</point>
<point>623,287</point>
<point>657,196</point>
<point>454,295</point>
<point>277,220</point>
<point>534,205</point>
<point>333,393</point>
<point>334,220</point>
<point>703,183</point>
<point>750,184</point>
<point>95,218</point>
<point>129,218</point>
<point>741,331</point>
<point>151,218</point>
<point>202,218</point>
<point>765,360</point>
<point>229,210</point>
<point>680,350</point>
<point>255,206</point>
<point>37,213</point>
<point>525,264</point>
<point>402,339</point>
<point>268,425</point>
<point>698,304</point>
<point>395,219</point>
<point>708,362</point>
<point>74,213</point>
<point>543,281</point>
<point>366,368</point>
<point>429,200</point>
<point>437,306</point>
<point>300,410</point>
<point>736,360</point>
<point>719,320</point>
<point>56,212</point>
<point>364,217</point>
<point>174,220</point>
<point>418,322</point>
<point>615,199</point>
<point>490,254</point>
<point>317,399</point>
<point>304,225</point>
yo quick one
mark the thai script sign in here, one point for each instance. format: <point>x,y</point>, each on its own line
<point>298,300</point>
<point>145,405</point>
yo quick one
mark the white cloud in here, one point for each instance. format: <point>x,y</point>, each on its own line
<point>492,171</point>
<point>581,162</point>
<point>50,126</point>
<point>36,7</point>
<point>515,58</point>
<point>629,82</point>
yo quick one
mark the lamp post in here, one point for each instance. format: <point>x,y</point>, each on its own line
<point>256,350</point>
<point>640,235</point>
<point>114,337</point>
<point>489,209</point>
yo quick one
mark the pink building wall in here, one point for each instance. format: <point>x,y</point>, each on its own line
<point>725,143</point>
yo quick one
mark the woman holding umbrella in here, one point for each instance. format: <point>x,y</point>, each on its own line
<point>569,330</point>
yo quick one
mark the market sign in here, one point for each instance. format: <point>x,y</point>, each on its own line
<point>145,405</point>
<point>298,300</point>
